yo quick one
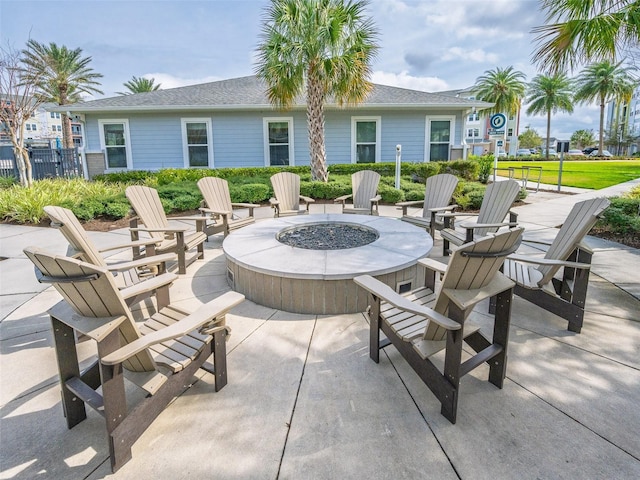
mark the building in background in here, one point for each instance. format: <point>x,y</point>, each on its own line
<point>622,126</point>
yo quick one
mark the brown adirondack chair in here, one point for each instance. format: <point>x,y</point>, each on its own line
<point>364,194</point>
<point>437,200</point>
<point>173,339</point>
<point>146,203</point>
<point>217,203</point>
<point>286,201</point>
<point>136,279</point>
<point>498,198</point>
<point>427,320</point>
<point>535,277</point>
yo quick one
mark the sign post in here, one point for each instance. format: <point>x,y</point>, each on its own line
<point>563,146</point>
<point>398,162</point>
<point>497,123</point>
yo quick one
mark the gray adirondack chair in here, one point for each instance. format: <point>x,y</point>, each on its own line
<point>437,200</point>
<point>496,204</point>
<point>535,277</point>
<point>148,207</point>
<point>136,279</point>
<point>161,356</point>
<point>364,194</point>
<point>427,320</point>
<point>217,203</point>
<point>287,198</point>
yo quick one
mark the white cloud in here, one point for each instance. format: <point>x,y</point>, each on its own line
<point>477,55</point>
<point>167,80</point>
<point>404,80</point>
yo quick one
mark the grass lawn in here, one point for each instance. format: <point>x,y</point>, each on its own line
<point>594,174</point>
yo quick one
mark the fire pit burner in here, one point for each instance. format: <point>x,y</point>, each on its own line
<point>328,236</point>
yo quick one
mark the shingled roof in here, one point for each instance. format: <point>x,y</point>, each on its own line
<point>249,93</point>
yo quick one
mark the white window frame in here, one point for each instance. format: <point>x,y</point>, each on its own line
<point>265,137</point>
<point>427,134</point>
<point>354,122</point>
<point>127,143</point>
<point>185,146</point>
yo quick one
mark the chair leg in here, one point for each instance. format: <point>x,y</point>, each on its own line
<point>452,362</point>
<point>374,328</point>
<point>182,260</point>
<point>67,358</point>
<point>219,347</point>
<point>498,364</point>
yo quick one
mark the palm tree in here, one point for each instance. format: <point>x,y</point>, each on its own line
<point>549,94</point>
<point>603,82</point>
<point>582,31</point>
<point>323,47</point>
<point>60,76</point>
<point>140,85</point>
<point>504,88</point>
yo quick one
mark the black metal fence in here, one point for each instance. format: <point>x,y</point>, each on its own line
<point>45,163</point>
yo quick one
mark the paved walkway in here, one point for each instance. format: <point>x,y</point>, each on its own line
<point>304,400</point>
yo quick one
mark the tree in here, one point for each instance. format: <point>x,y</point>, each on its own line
<point>582,139</point>
<point>503,87</point>
<point>529,138</point>
<point>60,76</point>
<point>603,82</point>
<point>323,48</point>
<point>18,103</point>
<point>140,85</point>
<point>549,94</point>
<point>583,31</point>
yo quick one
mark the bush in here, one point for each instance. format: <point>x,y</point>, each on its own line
<point>622,216</point>
<point>249,193</point>
<point>6,182</point>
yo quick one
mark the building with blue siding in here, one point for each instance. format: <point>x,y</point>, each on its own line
<point>230,123</point>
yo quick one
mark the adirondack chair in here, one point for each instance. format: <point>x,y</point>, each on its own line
<point>437,197</point>
<point>286,188</point>
<point>364,193</point>
<point>146,203</point>
<point>535,277</point>
<point>161,356</point>
<point>425,321</point>
<point>498,198</point>
<point>136,279</point>
<point>217,203</point>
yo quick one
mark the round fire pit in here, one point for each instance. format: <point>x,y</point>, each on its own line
<point>316,274</point>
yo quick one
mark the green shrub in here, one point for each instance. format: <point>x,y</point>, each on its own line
<point>390,194</point>
<point>116,210</point>
<point>249,193</point>
<point>622,216</point>
<point>465,169</point>
<point>6,182</point>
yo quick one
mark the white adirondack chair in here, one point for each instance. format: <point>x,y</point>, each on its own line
<point>364,194</point>
<point>217,203</point>
<point>161,356</point>
<point>425,321</point>
<point>437,200</point>
<point>286,189</point>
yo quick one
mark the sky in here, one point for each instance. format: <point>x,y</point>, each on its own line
<point>429,45</point>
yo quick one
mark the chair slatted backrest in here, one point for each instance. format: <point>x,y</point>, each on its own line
<point>83,248</point>
<point>498,198</point>
<point>286,188</point>
<point>438,192</point>
<point>147,205</point>
<point>365,186</point>
<point>91,291</point>
<point>473,266</point>
<point>216,193</point>
<point>582,217</point>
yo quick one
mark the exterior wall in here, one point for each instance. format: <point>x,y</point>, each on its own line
<point>95,164</point>
<point>238,138</point>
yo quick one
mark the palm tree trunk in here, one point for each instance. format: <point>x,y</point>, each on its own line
<point>67,137</point>
<point>548,131</point>
<point>601,135</point>
<point>315,120</point>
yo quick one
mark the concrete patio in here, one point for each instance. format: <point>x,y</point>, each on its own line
<point>305,401</point>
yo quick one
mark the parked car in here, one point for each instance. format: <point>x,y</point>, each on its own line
<point>588,150</point>
<point>523,152</point>
<point>533,151</point>
<point>575,151</point>
<point>552,152</point>
<point>502,153</point>
<point>596,153</point>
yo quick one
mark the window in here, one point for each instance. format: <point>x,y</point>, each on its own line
<point>439,137</point>
<point>28,126</point>
<point>59,128</point>
<point>365,139</point>
<point>278,138</point>
<point>510,132</point>
<point>197,145</point>
<point>114,140</point>
<point>53,115</point>
<point>57,114</point>
<point>474,117</point>
<point>473,132</point>
<point>34,127</point>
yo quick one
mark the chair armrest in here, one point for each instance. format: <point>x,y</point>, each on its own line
<point>376,199</point>
<point>148,285</point>
<point>192,218</point>
<point>343,198</point>
<point>140,243</point>
<point>165,230</point>
<point>458,214</point>
<point>215,212</point>
<point>487,225</point>
<point>142,262</point>
<point>245,205</point>
<point>385,292</point>
<point>205,314</point>
<point>412,203</point>
<point>274,202</point>
<point>432,264</point>
<point>448,208</point>
<point>307,199</point>
<point>548,261</point>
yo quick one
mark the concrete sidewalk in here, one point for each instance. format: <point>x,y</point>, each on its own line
<point>305,401</point>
